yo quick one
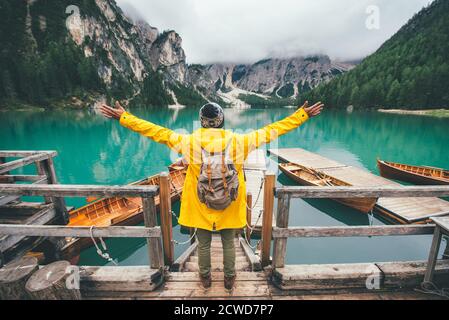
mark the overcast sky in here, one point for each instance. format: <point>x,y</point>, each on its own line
<point>251,30</point>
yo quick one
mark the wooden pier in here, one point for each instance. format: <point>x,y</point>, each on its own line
<point>255,168</point>
<point>402,210</point>
<point>259,276</point>
<point>14,211</point>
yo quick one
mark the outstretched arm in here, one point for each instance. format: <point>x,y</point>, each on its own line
<point>255,139</point>
<point>145,128</point>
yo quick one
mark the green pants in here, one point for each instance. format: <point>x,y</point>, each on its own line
<point>204,241</point>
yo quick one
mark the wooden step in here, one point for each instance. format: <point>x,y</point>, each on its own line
<point>216,276</point>
<point>193,266</point>
<point>219,259</point>
<point>219,252</point>
<point>219,245</point>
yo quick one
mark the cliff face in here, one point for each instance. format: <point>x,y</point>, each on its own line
<point>272,77</point>
<point>112,40</point>
<point>61,49</point>
<point>131,48</point>
<point>65,49</point>
<point>167,53</point>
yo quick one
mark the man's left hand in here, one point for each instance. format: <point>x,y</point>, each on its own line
<point>112,113</point>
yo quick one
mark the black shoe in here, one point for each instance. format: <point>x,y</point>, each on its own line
<point>206,281</point>
<point>229,282</point>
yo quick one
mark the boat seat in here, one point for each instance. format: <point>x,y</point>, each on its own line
<point>321,180</point>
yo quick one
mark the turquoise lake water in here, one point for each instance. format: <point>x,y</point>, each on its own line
<point>93,150</point>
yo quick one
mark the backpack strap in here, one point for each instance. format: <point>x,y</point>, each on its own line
<point>223,171</point>
<point>224,167</point>
<point>209,175</point>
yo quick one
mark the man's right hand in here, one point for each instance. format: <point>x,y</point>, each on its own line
<point>112,113</point>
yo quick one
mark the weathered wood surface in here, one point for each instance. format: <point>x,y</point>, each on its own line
<point>24,153</point>
<point>79,232</point>
<point>11,165</point>
<point>78,190</point>
<point>411,207</point>
<point>249,209</point>
<point>8,199</point>
<point>411,274</point>
<point>186,285</point>
<point>254,259</point>
<point>364,192</point>
<point>178,265</point>
<point>267,224</point>
<point>280,243</point>
<point>8,178</point>
<point>324,277</point>
<point>44,215</point>
<point>443,222</point>
<point>390,276</point>
<point>166,217</point>
<point>433,255</point>
<point>353,231</point>
<point>13,277</point>
<point>50,283</point>
<point>154,245</point>
<point>46,167</point>
<point>118,279</point>
<point>335,282</point>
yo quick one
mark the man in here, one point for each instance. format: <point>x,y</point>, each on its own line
<point>205,212</point>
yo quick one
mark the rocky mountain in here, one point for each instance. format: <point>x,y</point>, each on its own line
<point>82,52</point>
<point>280,78</point>
<point>87,51</point>
<point>410,70</point>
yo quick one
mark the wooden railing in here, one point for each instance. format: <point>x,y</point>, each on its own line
<point>151,231</point>
<point>281,232</point>
<point>43,160</point>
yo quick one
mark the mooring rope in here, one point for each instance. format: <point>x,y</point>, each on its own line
<point>184,242</point>
<point>258,195</point>
<point>443,292</point>
<point>102,253</point>
<point>248,243</point>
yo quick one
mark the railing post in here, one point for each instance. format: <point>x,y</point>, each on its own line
<point>166,217</point>
<point>280,244</point>
<point>249,205</point>
<point>46,167</point>
<point>446,250</point>
<point>155,253</point>
<point>2,161</point>
<point>267,222</point>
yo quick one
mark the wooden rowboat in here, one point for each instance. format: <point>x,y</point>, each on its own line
<point>413,174</point>
<point>310,177</point>
<point>117,211</point>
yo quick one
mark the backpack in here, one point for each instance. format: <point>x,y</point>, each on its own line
<point>218,182</point>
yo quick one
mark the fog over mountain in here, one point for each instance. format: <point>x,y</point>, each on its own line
<point>251,30</point>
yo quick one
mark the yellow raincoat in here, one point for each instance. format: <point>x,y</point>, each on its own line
<point>194,213</point>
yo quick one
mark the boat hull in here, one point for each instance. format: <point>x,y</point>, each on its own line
<point>130,210</point>
<point>364,205</point>
<point>390,172</point>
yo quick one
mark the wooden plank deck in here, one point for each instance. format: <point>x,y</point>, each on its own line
<point>255,168</point>
<point>302,282</point>
<point>403,210</point>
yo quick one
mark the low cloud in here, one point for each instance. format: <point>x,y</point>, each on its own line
<point>250,30</point>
